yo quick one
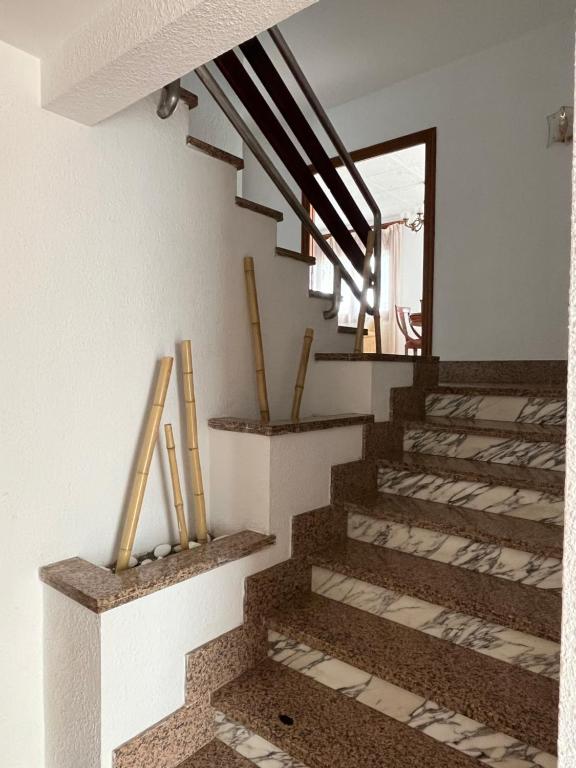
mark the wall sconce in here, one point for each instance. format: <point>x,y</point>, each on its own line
<point>560,126</point>
<point>417,223</point>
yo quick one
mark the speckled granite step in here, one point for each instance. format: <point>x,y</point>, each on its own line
<point>326,729</point>
<point>503,530</point>
<point>500,442</point>
<point>538,405</point>
<point>532,494</point>
<point>216,755</point>
<point>493,559</point>
<point>504,603</point>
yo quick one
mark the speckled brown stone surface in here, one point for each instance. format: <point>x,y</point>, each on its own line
<point>353,480</point>
<point>528,609</point>
<point>250,205</point>
<point>552,391</point>
<point>426,372</point>
<point>216,755</point>
<point>100,590</point>
<point>273,588</point>
<point>505,371</point>
<point>515,532</point>
<point>212,151</point>
<point>169,742</point>
<point>273,428</point>
<point>383,439</point>
<point>330,730</point>
<point>371,357</point>
<point>296,255</point>
<point>513,430</point>
<point>318,529</point>
<point>221,660</point>
<point>482,471</point>
<point>463,680</point>
<point>407,403</point>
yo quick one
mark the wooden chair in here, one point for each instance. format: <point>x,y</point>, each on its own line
<point>410,342</point>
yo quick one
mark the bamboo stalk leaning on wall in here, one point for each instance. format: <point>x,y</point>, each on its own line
<point>301,377</point>
<point>364,298</point>
<point>176,487</point>
<point>254,313</point>
<point>145,453</point>
<point>192,443</point>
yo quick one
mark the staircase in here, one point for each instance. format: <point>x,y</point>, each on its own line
<point>430,634</point>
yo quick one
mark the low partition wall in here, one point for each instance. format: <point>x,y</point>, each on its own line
<point>115,645</point>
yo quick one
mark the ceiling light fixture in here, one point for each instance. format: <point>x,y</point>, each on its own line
<point>416,224</point>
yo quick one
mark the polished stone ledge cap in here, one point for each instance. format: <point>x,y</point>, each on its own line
<point>273,428</point>
<point>372,357</point>
<point>100,590</point>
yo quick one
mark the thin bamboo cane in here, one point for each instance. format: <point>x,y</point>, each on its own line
<point>176,489</point>
<point>364,298</point>
<point>301,377</point>
<point>145,453</point>
<point>256,338</point>
<point>192,443</point>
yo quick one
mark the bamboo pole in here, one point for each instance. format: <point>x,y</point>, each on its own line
<point>364,298</point>
<point>192,443</point>
<point>145,453</point>
<point>256,338</point>
<point>176,489</point>
<point>301,377</point>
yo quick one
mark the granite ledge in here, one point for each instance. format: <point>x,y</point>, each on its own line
<point>274,428</point>
<point>100,590</point>
<point>372,357</point>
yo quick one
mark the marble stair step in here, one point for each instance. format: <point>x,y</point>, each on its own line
<point>527,446</point>
<point>216,755</point>
<point>326,729</point>
<point>490,559</point>
<point>456,679</point>
<point>509,604</point>
<point>537,405</point>
<point>543,540</point>
<point>531,494</point>
<point>249,746</point>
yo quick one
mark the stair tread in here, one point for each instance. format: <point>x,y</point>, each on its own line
<point>296,255</point>
<point>461,679</point>
<point>478,525</point>
<point>513,430</point>
<point>501,390</point>
<point>329,729</point>
<point>508,603</point>
<point>479,471</point>
<point>216,754</point>
<point>250,205</point>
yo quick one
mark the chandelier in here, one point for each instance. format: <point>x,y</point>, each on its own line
<point>416,224</point>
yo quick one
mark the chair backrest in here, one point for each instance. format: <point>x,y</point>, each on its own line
<point>401,314</point>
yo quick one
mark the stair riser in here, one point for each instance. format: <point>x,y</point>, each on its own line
<point>528,410</point>
<point>251,746</point>
<point>518,648</point>
<point>498,450</point>
<point>443,725</point>
<point>498,499</point>
<point>502,562</point>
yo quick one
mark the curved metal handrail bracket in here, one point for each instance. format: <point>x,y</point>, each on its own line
<point>217,93</point>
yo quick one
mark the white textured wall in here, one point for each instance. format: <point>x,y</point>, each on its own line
<point>567,730</point>
<point>503,198</point>
<point>117,241</point>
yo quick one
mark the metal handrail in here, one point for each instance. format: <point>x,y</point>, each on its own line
<point>217,93</point>
<point>344,155</point>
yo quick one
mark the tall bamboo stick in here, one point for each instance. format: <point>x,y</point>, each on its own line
<point>192,443</point>
<point>301,377</point>
<point>145,453</point>
<point>176,489</point>
<point>364,297</point>
<point>256,338</point>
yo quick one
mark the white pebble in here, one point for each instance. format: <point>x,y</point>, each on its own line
<point>132,562</point>
<point>145,562</point>
<point>162,550</point>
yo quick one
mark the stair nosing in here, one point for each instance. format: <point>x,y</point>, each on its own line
<point>544,391</point>
<point>288,253</point>
<point>215,152</point>
<point>525,431</point>
<point>250,205</point>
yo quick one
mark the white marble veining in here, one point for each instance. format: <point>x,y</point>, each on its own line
<point>529,410</point>
<point>499,450</point>
<point>503,562</point>
<point>519,648</point>
<point>251,746</point>
<point>499,499</point>
<point>441,724</point>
